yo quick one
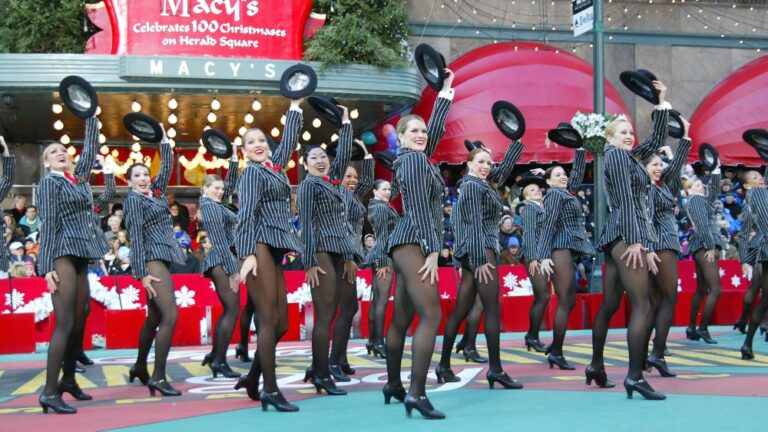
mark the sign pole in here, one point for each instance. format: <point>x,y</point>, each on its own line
<point>599,202</point>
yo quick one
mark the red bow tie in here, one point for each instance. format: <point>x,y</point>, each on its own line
<point>328,180</point>
<point>659,183</point>
<point>70,177</point>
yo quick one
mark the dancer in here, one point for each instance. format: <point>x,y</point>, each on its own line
<point>329,251</point>
<point>354,188</point>
<point>265,233</point>
<point>563,238</point>
<point>467,345</point>
<point>221,263</point>
<point>533,216</point>
<point>627,232</point>
<point>705,246</point>
<point>414,246</point>
<point>6,183</point>
<point>383,219</point>
<point>246,317</point>
<point>476,219</point>
<point>153,248</point>
<point>69,239</point>
<point>662,253</point>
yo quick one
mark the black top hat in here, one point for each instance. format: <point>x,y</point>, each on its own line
<point>218,143</point>
<point>325,106</point>
<point>298,81</point>
<point>471,145</point>
<point>675,128</point>
<point>79,96</point>
<point>640,82</point>
<point>757,138</point>
<point>530,178</point>
<point>709,156</point>
<point>144,127</point>
<point>431,64</point>
<point>357,152</point>
<point>508,119</point>
<point>385,158</point>
<point>565,135</point>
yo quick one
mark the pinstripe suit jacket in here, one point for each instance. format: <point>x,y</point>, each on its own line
<point>703,215</point>
<point>148,220</point>
<point>419,182</point>
<point>532,220</point>
<point>626,189</point>
<point>564,227</point>
<point>664,198</point>
<point>754,250</point>
<point>6,182</point>
<point>477,212</point>
<point>265,198</point>
<point>68,226</point>
<point>323,210</point>
<point>101,202</point>
<point>355,208</point>
<point>383,219</point>
<point>220,223</point>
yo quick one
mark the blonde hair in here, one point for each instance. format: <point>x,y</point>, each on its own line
<point>688,183</point>
<point>402,124</point>
<point>209,179</point>
<point>47,151</point>
<point>251,130</point>
<point>613,126</point>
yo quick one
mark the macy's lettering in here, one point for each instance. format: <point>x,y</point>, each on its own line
<point>216,7</point>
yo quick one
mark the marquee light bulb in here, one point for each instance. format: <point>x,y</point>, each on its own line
<point>71,150</point>
<point>136,147</point>
<point>172,119</point>
<point>215,104</point>
<point>316,122</point>
<point>136,106</point>
<point>173,104</point>
<point>275,132</point>
<point>306,136</point>
<point>56,108</point>
<point>104,150</point>
<point>171,133</point>
<point>242,130</point>
<point>249,118</point>
<point>256,105</point>
<point>102,139</point>
<point>58,125</point>
<point>211,117</point>
<point>354,114</point>
<point>65,140</point>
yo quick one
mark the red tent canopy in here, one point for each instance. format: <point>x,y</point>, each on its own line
<point>548,85</point>
<point>738,103</point>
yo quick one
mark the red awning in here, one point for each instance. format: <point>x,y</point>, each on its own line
<point>738,103</point>
<point>548,85</point>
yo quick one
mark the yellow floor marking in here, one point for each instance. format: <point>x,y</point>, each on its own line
<point>28,410</point>
<point>116,375</point>
<point>568,378</point>
<point>227,396</point>
<point>759,360</point>
<point>711,357</point>
<point>195,369</point>
<point>32,386</point>
<point>138,400</point>
<point>700,376</point>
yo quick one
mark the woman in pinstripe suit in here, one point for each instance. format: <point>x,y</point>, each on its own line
<point>563,237</point>
<point>6,183</point>
<point>153,248</point>
<point>414,246</point>
<point>69,239</point>
<point>662,253</point>
<point>265,233</point>
<point>476,217</point>
<point>329,250</point>
<point>354,188</point>
<point>532,220</point>
<point>705,246</point>
<point>624,240</point>
<point>221,263</point>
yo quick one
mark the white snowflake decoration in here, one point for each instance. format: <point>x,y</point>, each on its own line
<point>722,272</point>
<point>363,289</point>
<point>14,301</point>
<point>735,280</point>
<point>185,297</point>
<point>302,296</point>
<point>680,284</point>
<point>129,298</point>
<point>510,281</point>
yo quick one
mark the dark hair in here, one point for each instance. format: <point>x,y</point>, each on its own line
<point>476,151</point>
<point>308,148</point>
<point>549,171</point>
<point>377,184</point>
<point>132,167</point>
<point>116,207</point>
<point>646,160</point>
<point>32,207</point>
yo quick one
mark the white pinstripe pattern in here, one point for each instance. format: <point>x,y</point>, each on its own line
<point>756,209</point>
<point>383,219</point>
<point>532,221</point>
<point>220,224</point>
<point>702,213</point>
<point>101,202</point>
<point>664,198</point>
<point>356,209</point>
<point>6,182</point>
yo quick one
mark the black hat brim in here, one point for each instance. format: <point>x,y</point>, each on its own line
<point>431,64</point>
<point>292,88</point>
<point>79,96</point>
<point>385,159</point>
<point>326,108</point>
<point>566,136</point>
<point>527,180</point>
<point>357,152</point>
<point>217,143</point>
<point>144,127</point>
<point>709,156</point>
<point>508,119</point>
<point>758,139</point>
<point>640,83</point>
<point>471,145</point>
<point>675,128</point>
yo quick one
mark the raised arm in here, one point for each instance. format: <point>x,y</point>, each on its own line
<point>343,152</point>
<point>213,220</point>
<point>436,126</point>
<point>713,188</point>
<point>500,172</point>
<point>659,134</point>
<point>577,173</point>
<point>105,197</point>
<point>744,233</point>
<point>230,181</point>
<point>48,205</point>
<point>134,221</point>
<point>365,182</point>
<point>250,204</point>
<point>9,173</point>
<point>166,166</point>
<point>90,149</point>
<point>673,171</point>
<point>293,121</point>
<point>306,215</point>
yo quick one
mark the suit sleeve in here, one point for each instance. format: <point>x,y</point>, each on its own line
<point>436,126</point>
<point>250,205</point>
<point>713,189</point>
<point>50,228</point>
<point>230,181</point>
<point>377,216</point>
<point>659,134</point>
<point>166,166</point>
<point>552,206</point>
<point>471,213</point>
<point>420,207</point>
<point>90,148</point>
<point>500,173</point>
<point>697,211</point>
<point>671,175</point>
<point>744,233</point>
<point>530,241</point>
<point>577,173</point>
<point>213,219</point>
<point>618,164</point>
<point>306,215</point>
<point>9,173</point>
<point>365,184</point>
<point>343,152</point>
<point>106,196</point>
<point>293,122</point>
<point>134,221</point>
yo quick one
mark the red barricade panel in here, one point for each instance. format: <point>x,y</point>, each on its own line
<point>18,333</point>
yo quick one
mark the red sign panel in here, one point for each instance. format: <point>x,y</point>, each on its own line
<point>220,28</point>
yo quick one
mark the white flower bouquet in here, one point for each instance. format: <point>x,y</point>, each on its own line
<point>591,127</point>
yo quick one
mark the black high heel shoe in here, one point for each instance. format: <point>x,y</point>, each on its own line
<point>139,372</point>
<point>393,392</point>
<point>309,373</point>
<point>369,347</point>
<point>460,345</point>
<point>207,360</point>
<point>704,335</point>
<point>73,389</point>
<point>277,400</point>
<point>380,350</point>
<point>328,385</point>
<point>347,369</point>
<point>503,379</point>
<point>641,386</point>
<point>746,353</point>
<point>423,406</point>
<point>445,374</point>
<point>536,344</point>
<point>600,377</point>
<point>691,334</point>
<point>560,361</point>
<point>337,374</point>
<point>83,359</point>
<point>241,352</point>
<point>56,404</point>
<point>660,365</point>
<point>250,387</point>
<point>163,387</point>
<point>741,326</point>
<point>224,369</point>
<point>471,355</point>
